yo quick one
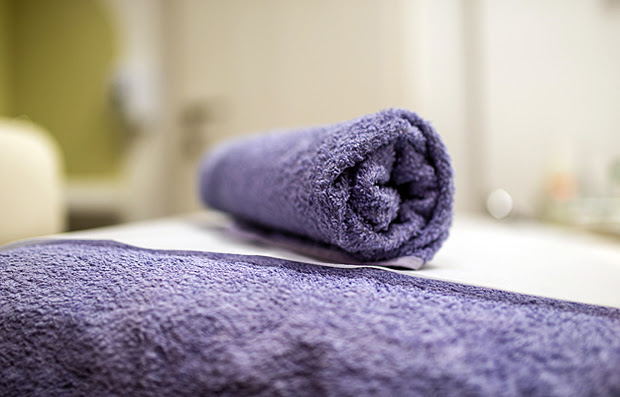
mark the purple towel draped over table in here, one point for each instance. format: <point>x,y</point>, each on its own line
<point>95,318</point>
<point>374,188</point>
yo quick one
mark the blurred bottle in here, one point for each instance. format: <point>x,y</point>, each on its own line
<point>561,182</point>
<point>614,174</point>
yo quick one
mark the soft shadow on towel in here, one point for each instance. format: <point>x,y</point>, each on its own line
<point>374,188</point>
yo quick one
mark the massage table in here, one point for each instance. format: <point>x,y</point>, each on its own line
<point>201,305</point>
<point>526,257</point>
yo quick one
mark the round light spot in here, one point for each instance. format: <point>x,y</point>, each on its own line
<point>499,204</point>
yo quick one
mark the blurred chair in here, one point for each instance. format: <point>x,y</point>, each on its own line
<point>31,182</point>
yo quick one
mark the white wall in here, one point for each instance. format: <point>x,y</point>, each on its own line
<point>144,184</point>
<point>519,88</point>
<point>440,84</point>
<point>551,92</point>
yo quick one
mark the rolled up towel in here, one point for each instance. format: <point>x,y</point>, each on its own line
<point>374,188</point>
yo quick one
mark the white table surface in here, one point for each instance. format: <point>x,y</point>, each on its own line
<point>524,257</point>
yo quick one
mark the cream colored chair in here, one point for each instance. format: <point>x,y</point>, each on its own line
<point>31,182</point>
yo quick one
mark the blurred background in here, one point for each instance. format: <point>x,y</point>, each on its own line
<point>124,97</point>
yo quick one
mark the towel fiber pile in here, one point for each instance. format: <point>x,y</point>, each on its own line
<point>100,318</point>
<point>374,188</point>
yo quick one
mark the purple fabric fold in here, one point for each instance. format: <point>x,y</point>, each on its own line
<point>374,188</point>
<point>96,318</point>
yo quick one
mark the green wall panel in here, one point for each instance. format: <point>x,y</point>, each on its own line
<point>6,64</point>
<point>64,59</point>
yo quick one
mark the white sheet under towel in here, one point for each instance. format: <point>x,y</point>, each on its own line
<point>523,257</point>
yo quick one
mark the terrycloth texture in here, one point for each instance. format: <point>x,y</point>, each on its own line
<point>374,188</point>
<point>102,318</point>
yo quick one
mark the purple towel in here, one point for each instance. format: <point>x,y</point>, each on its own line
<point>105,319</point>
<point>373,188</point>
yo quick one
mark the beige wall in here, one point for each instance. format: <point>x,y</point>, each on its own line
<point>279,63</point>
